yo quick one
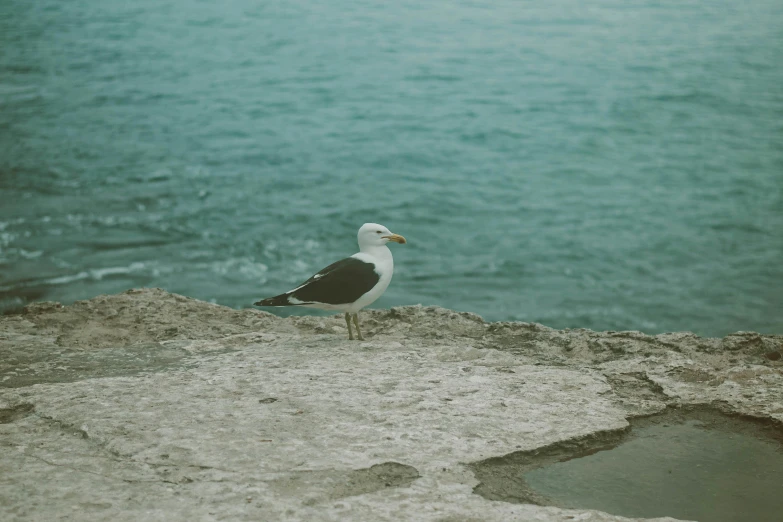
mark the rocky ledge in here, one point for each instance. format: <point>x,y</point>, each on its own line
<point>153,406</point>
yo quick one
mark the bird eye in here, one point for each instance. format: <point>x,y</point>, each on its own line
<point>378,232</point>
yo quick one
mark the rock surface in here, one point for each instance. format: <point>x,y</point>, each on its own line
<point>153,406</point>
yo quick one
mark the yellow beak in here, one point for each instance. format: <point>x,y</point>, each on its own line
<point>396,238</point>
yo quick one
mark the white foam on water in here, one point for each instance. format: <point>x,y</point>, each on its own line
<point>97,274</point>
<point>243,268</point>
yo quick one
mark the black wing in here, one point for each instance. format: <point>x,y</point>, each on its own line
<point>339,283</point>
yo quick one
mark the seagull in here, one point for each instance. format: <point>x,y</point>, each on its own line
<point>351,283</point>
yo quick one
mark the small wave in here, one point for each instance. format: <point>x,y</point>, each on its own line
<point>273,247</point>
<point>6,238</point>
<point>27,254</point>
<point>242,268</point>
<point>156,176</point>
<point>96,274</point>
<point>449,78</point>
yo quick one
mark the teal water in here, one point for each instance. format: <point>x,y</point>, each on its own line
<point>682,471</point>
<point>607,164</point>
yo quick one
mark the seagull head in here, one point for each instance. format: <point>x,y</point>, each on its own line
<point>373,234</point>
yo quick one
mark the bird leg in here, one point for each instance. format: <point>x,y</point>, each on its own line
<point>356,322</point>
<point>348,322</point>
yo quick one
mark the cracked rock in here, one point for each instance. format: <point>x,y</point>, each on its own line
<point>151,406</point>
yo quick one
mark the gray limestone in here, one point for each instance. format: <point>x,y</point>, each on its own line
<point>152,406</point>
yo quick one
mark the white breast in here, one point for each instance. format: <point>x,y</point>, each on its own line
<point>384,266</point>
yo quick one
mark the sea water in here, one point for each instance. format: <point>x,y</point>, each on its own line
<point>605,164</point>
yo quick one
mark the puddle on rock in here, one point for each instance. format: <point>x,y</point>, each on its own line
<point>697,465</point>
